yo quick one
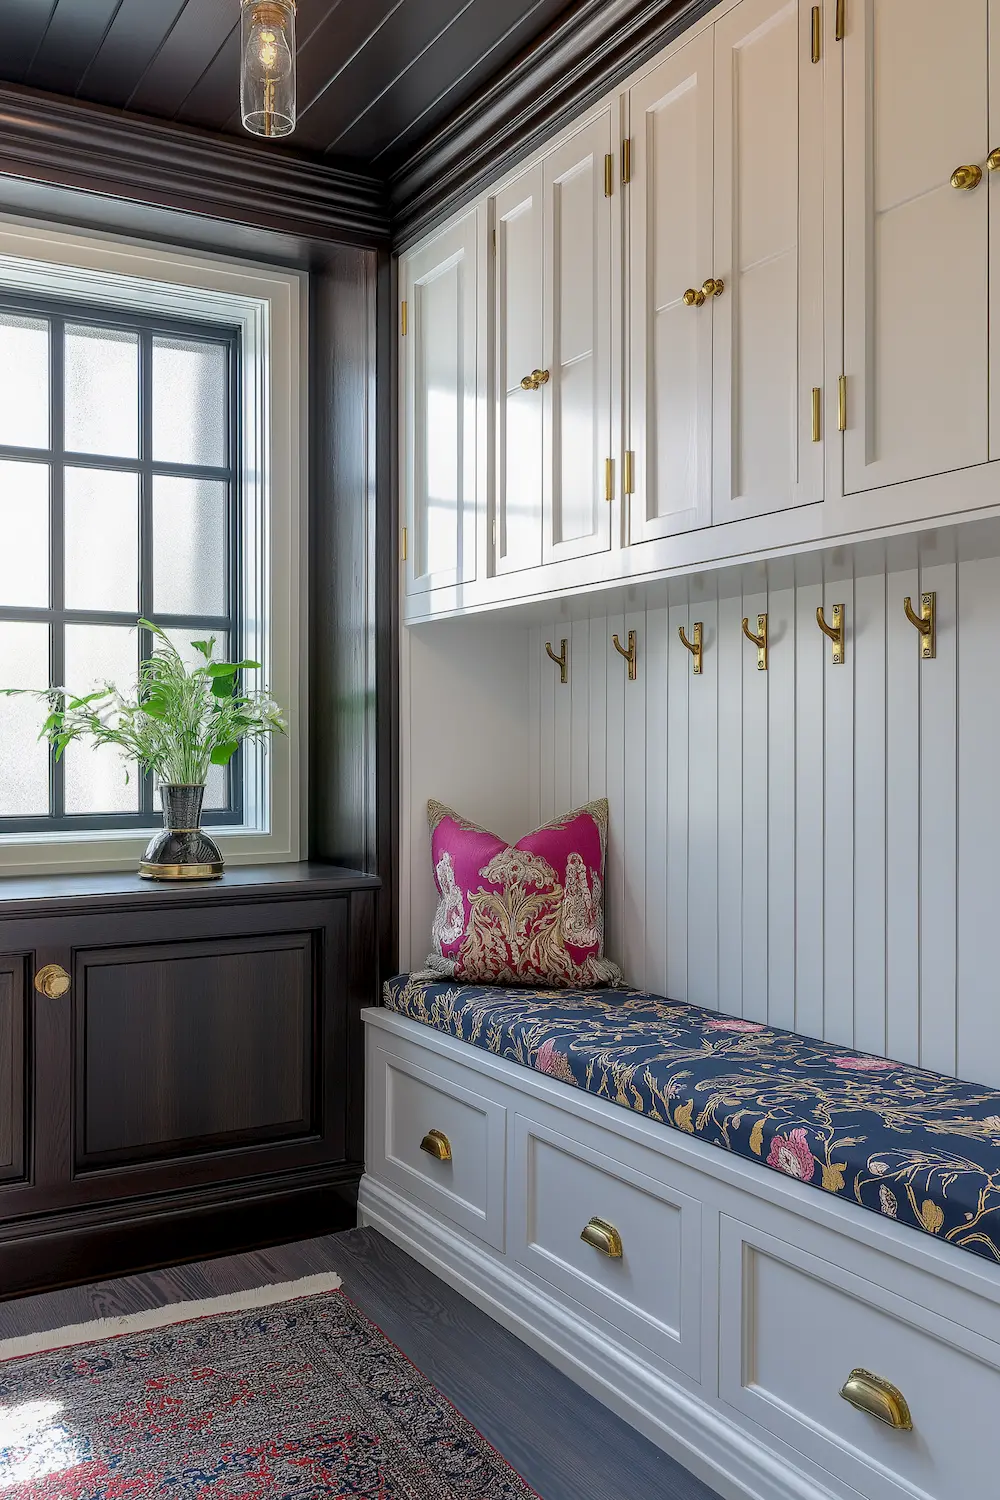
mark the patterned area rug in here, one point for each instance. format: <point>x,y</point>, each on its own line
<point>290,1397</point>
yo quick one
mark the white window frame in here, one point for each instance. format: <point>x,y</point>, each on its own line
<point>270,307</point>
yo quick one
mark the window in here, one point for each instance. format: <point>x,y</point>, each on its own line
<point>118,500</point>
<point>152,463</point>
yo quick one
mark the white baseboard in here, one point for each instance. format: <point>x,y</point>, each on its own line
<point>688,1429</point>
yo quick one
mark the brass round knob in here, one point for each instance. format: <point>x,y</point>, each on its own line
<point>693,298</point>
<point>528,384</point>
<point>967,177</point>
<point>713,287</point>
<point>993,161</point>
<point>53,982</point>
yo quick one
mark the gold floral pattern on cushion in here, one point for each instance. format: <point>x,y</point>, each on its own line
<point>916,1147</point>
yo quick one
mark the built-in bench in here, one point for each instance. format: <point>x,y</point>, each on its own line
<point>911,1145</point>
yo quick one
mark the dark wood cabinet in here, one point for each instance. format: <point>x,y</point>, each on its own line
<point>197,1088</point>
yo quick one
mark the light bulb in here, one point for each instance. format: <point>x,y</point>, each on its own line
<point>267,85</point>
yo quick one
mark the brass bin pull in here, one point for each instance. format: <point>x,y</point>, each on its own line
<point>925,622</point>
<point>877,1398</point>
<point>604,1237</point>
<point>535,380</point>
<point>837,632</point>
<point>435,1143</point>
<point>967,178</point>
<point>759,640</point>
<point>561,661</point>
<point>696,647</point>
<point>53,982</point>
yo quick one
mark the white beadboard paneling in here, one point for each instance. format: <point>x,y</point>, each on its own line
<point>814,847</point>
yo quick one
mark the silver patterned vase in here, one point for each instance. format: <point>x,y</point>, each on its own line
<point>183,850</point>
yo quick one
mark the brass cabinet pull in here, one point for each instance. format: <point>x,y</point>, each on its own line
<point>714,287</point>
<point>604,1237</point>
<point>435,1143</point>
<point>993,161</point>
<point>53,982</point>
<point>817,414</point>
<point>816,34</point>
<point>842,404</point>
<point>967,178</point>
<point>693,298</point>
<point>535,380</point>
<point>876,1397</point>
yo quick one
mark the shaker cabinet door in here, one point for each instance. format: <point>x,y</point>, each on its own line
<point>440,399</point>
<point>916,112</point>
<point>768,321</point>
<point>519,406</point>
<point>579,224</point>
<point>671,255</point>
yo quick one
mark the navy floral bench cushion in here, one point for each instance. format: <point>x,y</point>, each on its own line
<point>910,1145</point>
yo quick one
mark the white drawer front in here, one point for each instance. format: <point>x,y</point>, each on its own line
<point>796,1326</point>
<point>652,1290</point>
<point>411,1103</point>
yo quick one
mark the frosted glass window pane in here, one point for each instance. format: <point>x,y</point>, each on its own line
<point>102,391</point>
<point>102,540</point>
<point>190,399</point>
<point>189,546</point>
<point>24,381</point>
<point>24,760</point>
<point>24,535</point>
<point>95,779</point>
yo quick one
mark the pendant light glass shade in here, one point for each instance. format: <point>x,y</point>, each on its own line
<point>267,81</point>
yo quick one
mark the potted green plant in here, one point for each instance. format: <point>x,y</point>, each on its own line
<point>175,726</point>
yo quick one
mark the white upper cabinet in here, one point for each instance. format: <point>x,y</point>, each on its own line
<point>577,368</point>
<point>439,376</point>
<point>768,323</point>
<point>518,345</point>
<point>916,111</point>
<point>553,323</point>
<point>671,254</point>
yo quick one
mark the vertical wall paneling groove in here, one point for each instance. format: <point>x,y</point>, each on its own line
<point>903,678</point>
<point>838,894</point>
<point>755,789</point>
<point>866,647</point>
<point>814,847</point>
<point>938,831</point>
<point>731,650</point>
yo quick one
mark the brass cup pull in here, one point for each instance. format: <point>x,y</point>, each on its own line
<point>693,298</point>
<point>604,1237</point>
<point>993,161</point>
<point>967,178</point>
<point>435,1143</point>
<point>713,287</point>
<point>877,1398</point>
<point>535,380</point>
<point>53,982</point>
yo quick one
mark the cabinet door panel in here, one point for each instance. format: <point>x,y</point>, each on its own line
<point>440,399</point>
<point>578,345</point>
<point>916,268</point>
<point>670,251</point>
<point>12,1068</point>
<point>519,352</point>
<point>768,323</point>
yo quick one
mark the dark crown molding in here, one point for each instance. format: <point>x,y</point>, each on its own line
<point>45,138</point>
<point>584,55</point>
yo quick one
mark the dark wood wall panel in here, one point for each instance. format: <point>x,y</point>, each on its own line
<point>12,1067</point>
<point>194,1047</point>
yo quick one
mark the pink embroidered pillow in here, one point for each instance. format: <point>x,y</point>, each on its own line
<point>528,914</point>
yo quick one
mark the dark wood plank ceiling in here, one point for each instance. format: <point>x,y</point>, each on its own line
<point>375,76</point>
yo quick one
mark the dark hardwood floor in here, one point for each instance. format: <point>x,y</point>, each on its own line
<point>563,1443</point>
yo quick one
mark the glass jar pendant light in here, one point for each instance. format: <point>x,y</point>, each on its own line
<point>267,81</point>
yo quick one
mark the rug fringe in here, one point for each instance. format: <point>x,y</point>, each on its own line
<point>165,1317</point>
